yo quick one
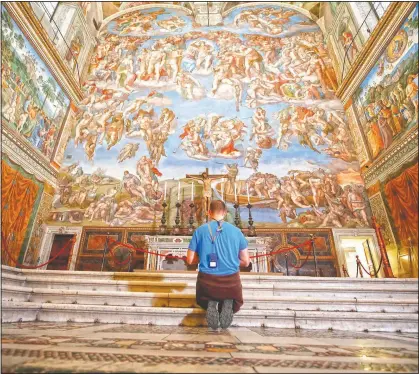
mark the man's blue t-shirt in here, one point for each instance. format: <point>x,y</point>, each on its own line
<point>227,245</point>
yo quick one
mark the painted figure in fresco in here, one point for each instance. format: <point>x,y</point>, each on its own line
<point>357,205</point>
<point>261,130</point>
<point>223,135</point>
<point>114,130</point>
<point>412,91</point>
<point>232,172</point>
<point>128,151</point>
<point>81,128</point>
<point>252,158</point>
<point>287,211</point>
<point>73,52</point>
<point>148,173</point>
<point>192,142</point>
<point>133,185</point>
<point>386,132</point>
<point>9,109</point>
<point>187,84</point>
<point>160,133</point>
<point>349,45</point>
<point>172,23</point>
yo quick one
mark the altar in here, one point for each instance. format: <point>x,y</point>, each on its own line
<point>163,246</point>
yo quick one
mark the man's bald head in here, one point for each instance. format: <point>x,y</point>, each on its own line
<point>217,208</point>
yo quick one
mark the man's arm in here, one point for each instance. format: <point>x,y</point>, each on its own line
<point>192,257</point>
<point>244,258</point>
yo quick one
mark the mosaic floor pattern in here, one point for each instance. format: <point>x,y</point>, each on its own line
<point>108,348</point>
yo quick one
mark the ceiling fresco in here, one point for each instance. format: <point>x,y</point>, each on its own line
<point>252,100</point>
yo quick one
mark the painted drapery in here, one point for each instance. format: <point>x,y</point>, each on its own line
<point>19,197</point>
<point>402,198</point>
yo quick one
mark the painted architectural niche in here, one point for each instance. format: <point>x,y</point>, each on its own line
<point>33,104</point>
<point>252,99</point>
<point>387,100</point>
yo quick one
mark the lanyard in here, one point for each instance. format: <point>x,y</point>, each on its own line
<point>218,232</point>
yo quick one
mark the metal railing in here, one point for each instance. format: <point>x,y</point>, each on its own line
<point>374,6</point>
<point>57,35</point>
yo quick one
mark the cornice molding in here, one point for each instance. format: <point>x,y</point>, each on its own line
<point>29,159</point>
<point>25,18</point>
<point>375,46</point>
<point>401,153</point>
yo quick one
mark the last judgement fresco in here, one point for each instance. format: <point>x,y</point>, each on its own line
<point>252,100</point>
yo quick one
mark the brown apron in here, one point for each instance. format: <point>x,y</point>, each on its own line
<point>219,288</point>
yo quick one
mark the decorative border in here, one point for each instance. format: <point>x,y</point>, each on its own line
<point>25,156</point>
<point>405,150</point>
<point>384,31</point>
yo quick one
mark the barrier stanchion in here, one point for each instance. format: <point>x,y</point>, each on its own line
<point>314,254</point>
<point>344,271</point>
<point>372,259</point>
<point>104,252</point>
<point>359,267</point>
<point>286,261</point>
<point>130,258</point>
<point>381,244</point>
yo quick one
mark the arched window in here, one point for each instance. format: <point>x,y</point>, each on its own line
<point>367,14</point>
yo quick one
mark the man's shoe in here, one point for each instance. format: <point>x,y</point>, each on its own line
<point>226,315</point>
<point>213,316</point>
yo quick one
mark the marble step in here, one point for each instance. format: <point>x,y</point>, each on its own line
<point>148,299</point>
<point>190,277</point>
<point>389,322</point>
<point>304,289</point>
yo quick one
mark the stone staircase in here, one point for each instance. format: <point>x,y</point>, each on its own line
<point>168,298</point>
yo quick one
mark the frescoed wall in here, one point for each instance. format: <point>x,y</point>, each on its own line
<point>252,100</point>
<point>33,104</point>
<point>386,102</point>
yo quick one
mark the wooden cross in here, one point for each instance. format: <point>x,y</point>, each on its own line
<point>206,178</point>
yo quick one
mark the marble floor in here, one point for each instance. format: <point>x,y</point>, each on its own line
<point>42,347</point>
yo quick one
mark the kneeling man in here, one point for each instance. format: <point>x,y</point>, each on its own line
<point>220,248</point>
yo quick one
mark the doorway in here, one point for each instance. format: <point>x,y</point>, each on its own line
<point>61,262</point>
<point>361,247</point>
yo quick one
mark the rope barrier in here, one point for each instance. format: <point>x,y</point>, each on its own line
<point>169,256</point>
<point>18,264</point>
<point>370,274</point>
<point>305,260</point>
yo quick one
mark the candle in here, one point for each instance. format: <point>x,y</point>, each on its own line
<point>178,191</point>
<point>248,194</point>
<point>192,192</point>
<point>222,189</point>
<point>235,192</point>
<point>165,188</point>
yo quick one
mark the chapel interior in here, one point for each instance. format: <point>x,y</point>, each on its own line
<point>121,121</point>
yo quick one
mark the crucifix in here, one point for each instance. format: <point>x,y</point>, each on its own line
<point>206,180</point>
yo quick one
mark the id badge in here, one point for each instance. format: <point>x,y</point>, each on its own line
<point>213,260</point>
